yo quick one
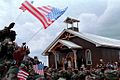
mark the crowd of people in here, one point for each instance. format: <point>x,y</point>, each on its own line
<point>109,71</point>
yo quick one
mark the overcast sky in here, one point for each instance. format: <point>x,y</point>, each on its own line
<point>101,17</point>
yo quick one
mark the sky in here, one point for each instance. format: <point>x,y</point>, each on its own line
<point>100,17</point>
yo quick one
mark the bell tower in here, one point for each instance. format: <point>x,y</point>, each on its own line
<point>73,24</point>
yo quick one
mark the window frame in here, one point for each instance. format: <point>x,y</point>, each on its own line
<point>88,57</point>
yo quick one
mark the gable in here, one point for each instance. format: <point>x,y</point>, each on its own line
<point>62,36</point>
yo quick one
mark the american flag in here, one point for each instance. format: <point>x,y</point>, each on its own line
<point>38,68</point>
<point>45,14</point>
<point>22,75</point>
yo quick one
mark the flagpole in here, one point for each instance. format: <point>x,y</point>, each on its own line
<point>18,16</point>
<point>34,35</point>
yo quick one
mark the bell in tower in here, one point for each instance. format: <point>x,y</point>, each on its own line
<point>71,21</point>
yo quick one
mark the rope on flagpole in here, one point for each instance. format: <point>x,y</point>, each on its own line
<point>34,35</point>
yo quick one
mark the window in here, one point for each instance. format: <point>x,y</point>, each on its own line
<point>88,57</point>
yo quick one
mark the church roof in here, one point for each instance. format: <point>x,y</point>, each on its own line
<point>95,39</point>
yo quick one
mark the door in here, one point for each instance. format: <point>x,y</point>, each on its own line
<point>80,59</point>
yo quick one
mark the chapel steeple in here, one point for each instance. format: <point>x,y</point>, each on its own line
<point>71,22</point>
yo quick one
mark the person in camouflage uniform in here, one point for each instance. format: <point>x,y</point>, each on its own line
<point>7,46</point>
<point>8,66</point>
<point>111,74</point>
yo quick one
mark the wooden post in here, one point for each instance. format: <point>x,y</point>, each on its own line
<point>75,57</point>
<point>55,60</point>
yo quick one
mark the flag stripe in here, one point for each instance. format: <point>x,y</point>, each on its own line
<point>44,11</point>
<point>37,14</point>
<point>22,71</point>
<point>24,9</point>
<point>22,75</point>
<point>32,10</point>
<point>45,19</point>
<point>36,17</point>
<point>35,10</point>
<point>21,78</point>
<point>47,7</point>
